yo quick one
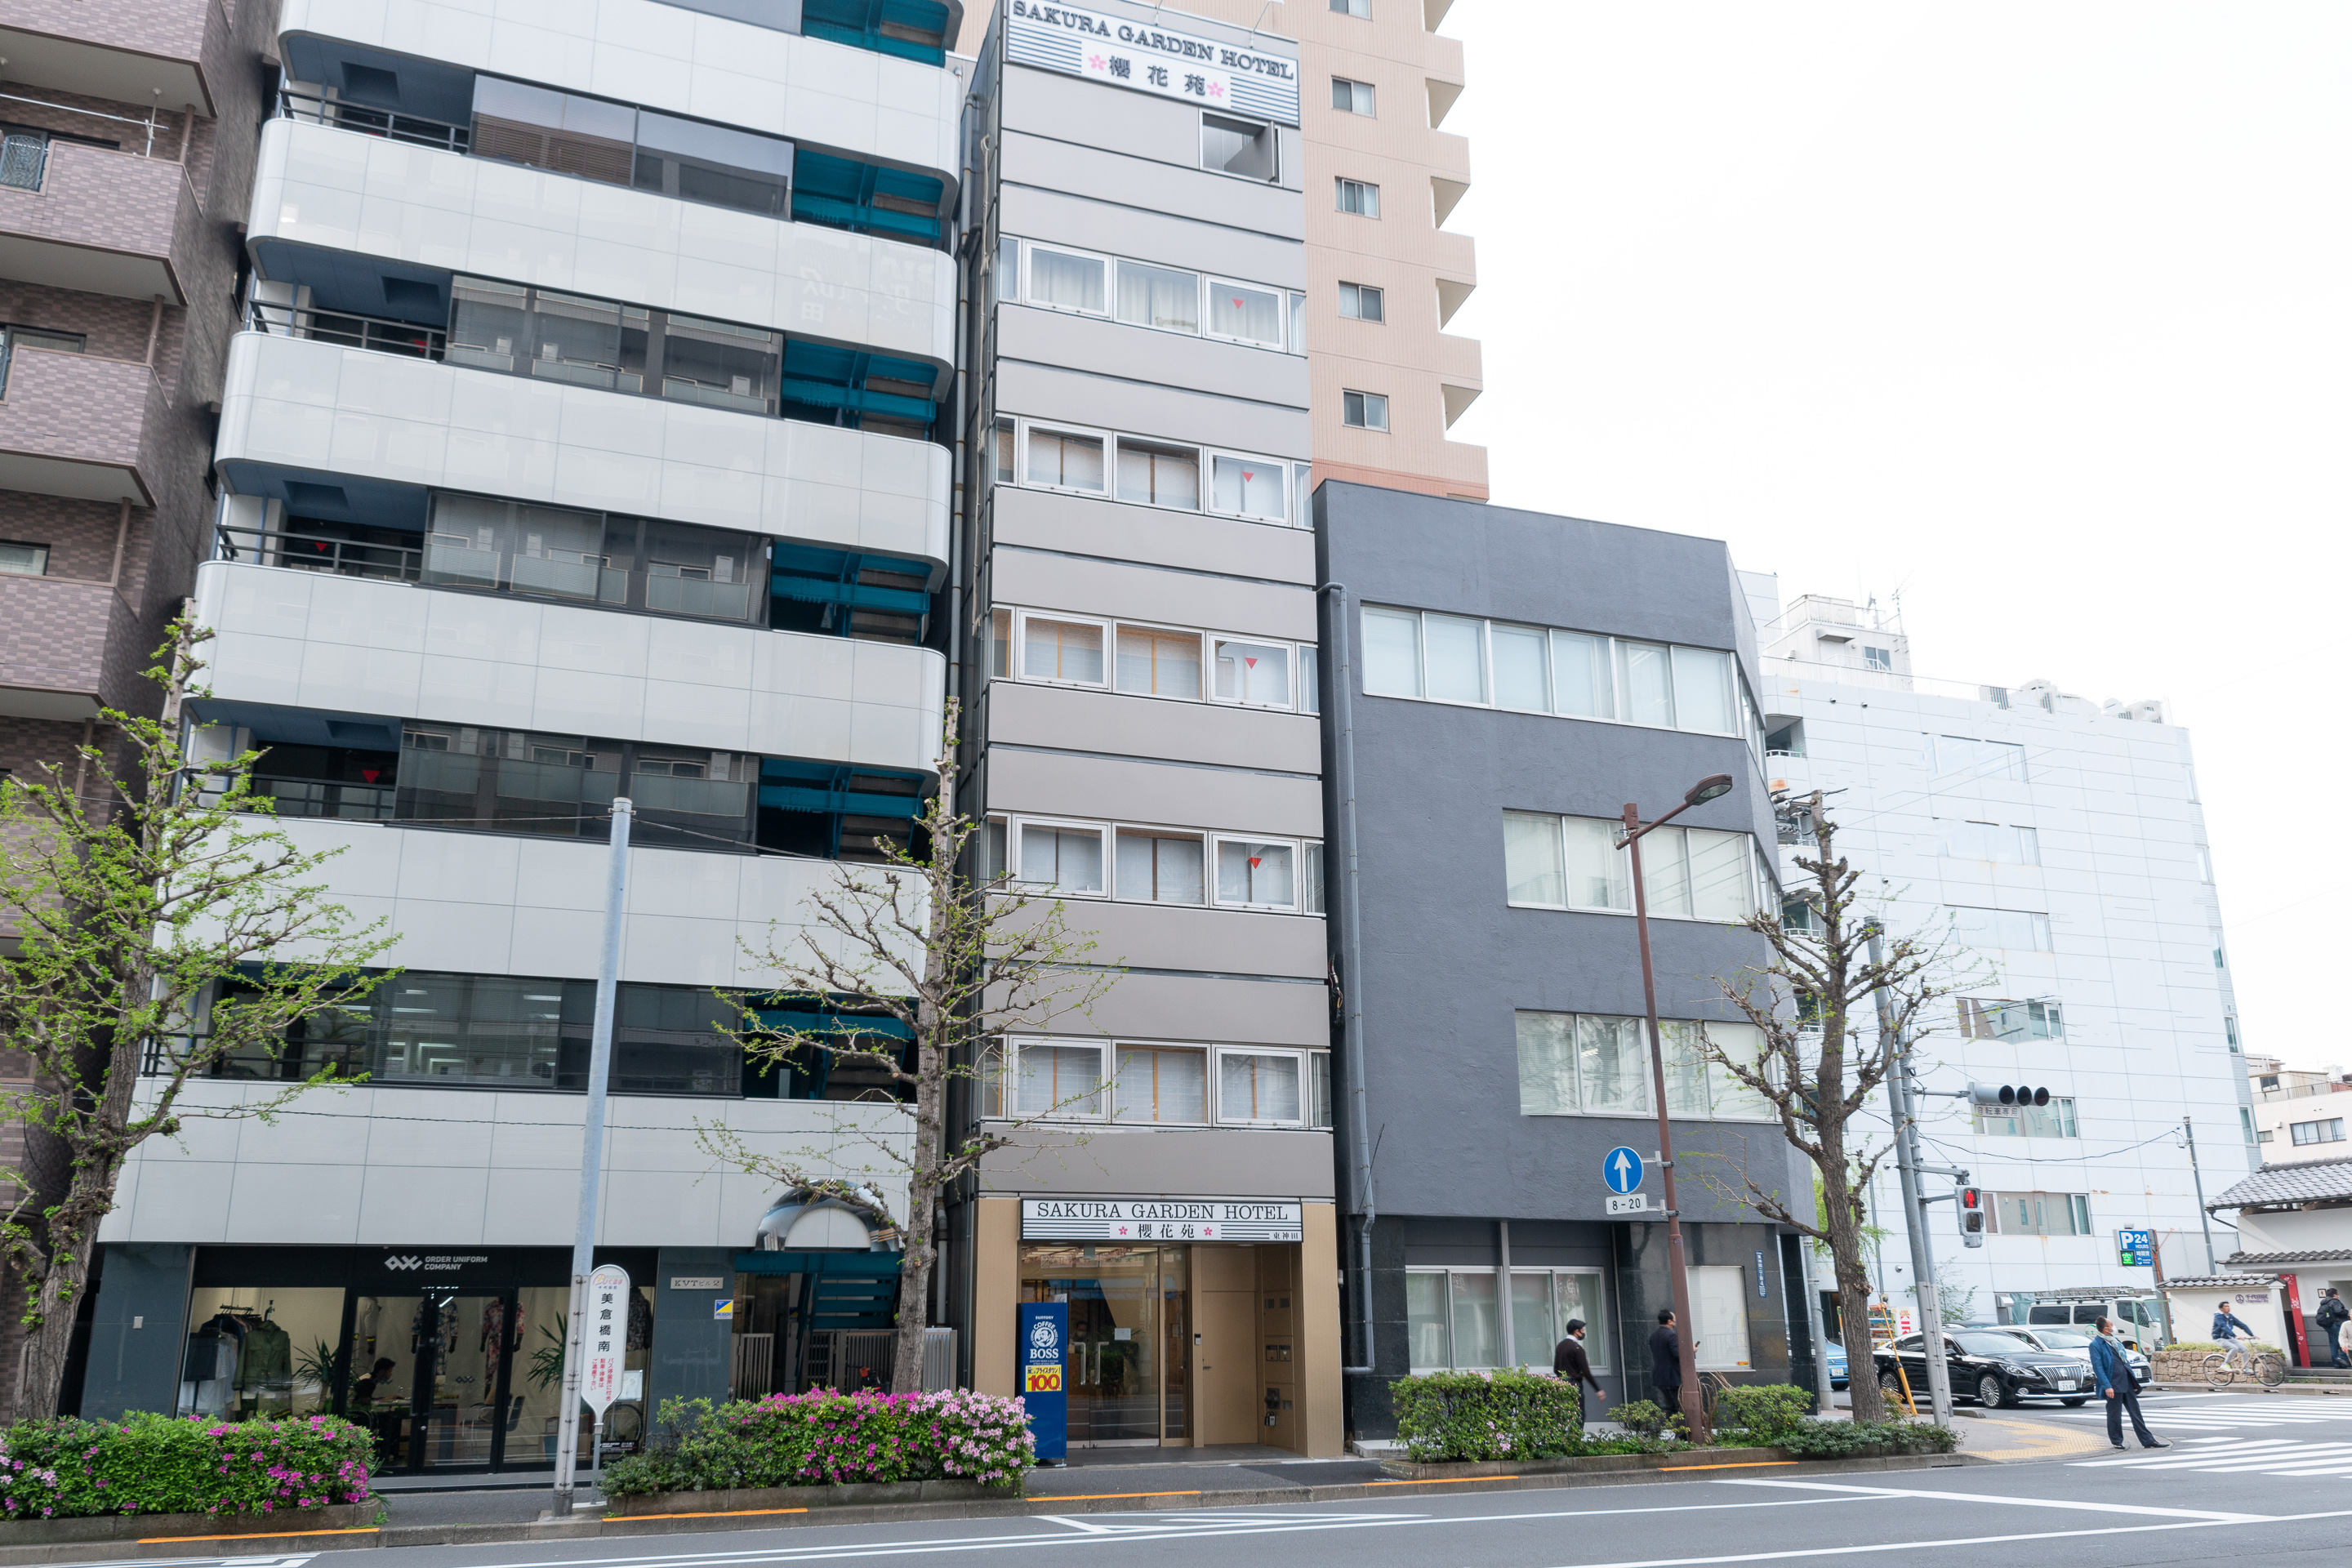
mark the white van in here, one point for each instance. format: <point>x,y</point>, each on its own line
<point>2138,1316</point>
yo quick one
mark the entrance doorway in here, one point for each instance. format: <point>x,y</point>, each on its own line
<point>459,1379</point>
<point>1127,1365</point>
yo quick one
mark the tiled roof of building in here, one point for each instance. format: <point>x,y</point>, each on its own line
<point>2219,1281</point>
<point>2317,1182</point>
<point>2287,1259</point>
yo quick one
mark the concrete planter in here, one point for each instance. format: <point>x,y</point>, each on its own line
<point>760,1499</point>
<point>1588,1464</point>
<point>147,1526</point>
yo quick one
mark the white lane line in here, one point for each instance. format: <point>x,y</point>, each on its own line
<point>1271,1524</point>
<point>2206,1514</point>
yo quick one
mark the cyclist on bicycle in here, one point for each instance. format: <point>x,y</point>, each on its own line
<point>2229,1329</point>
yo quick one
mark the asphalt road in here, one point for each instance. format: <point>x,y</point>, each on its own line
<point>2246,1476</point>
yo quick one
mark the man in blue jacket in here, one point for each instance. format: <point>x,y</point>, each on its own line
<point>2111,1372</point>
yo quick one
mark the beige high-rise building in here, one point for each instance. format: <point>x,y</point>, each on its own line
<point>1385,273</point>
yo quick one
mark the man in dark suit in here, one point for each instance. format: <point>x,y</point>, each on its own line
<point>1666,1360</point>
<point>1568,1360</point>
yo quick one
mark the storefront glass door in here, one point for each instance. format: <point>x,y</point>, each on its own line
<point>1117,1365</point>
<point>431,1377</point>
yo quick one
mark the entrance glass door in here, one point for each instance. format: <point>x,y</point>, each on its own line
<point>1116,1368</point>
<point>431,1377</point>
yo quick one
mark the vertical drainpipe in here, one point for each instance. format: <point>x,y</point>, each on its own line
<point>1362,1199</point>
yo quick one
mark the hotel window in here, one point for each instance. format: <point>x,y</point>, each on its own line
<point>1364,410</point>
<point>1006,470</point>
<point>1451,1321</point>
<point>1068,653</point>
<point>1058,1079</point>
<point>1156,867</point>
<point>1576,863</point>
<point>1240,312</point>
<point>1063,856</point>
<point>1352,96</point>
<point>1065,460</point>
<point>1154,662</point>
<point>1256,874</point>
<point>1067,280</point>
<point>1358,197</point>
<point>1154,475</point>
<point>1261,1089</point>
<point>1254,674</point>
<point>1362,302</point>
<point>1241,147</point>
<point>2001,928</point>
<point>1158,297</point>
<point>1162,1084</point>
<point>1250,487</point>
<point>24,560</point>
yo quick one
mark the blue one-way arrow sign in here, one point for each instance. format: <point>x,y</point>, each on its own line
<point>1622,1168</point>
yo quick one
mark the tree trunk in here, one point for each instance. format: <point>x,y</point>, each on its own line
<point>1853,1294</point>
<point>57,1303</point>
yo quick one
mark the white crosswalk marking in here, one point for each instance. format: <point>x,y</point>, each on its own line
<point>2224,1414</point>
<point>2238,1456</point>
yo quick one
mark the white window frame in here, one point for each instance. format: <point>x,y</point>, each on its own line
<point>1020,651</point>
<point>1313,847</point>
<point>1208,672</point>
<point>1208,1086</point>
<point>1110,264</point>
<point>1356,211</point>
<point>1162,830</point>
<point>1209,456</point>
<point>1279,344</point>
<point>1020,826</point>
<point>1356,291</point>
<point>1110,466</point>
<point>1110,490</point>
<point>1297,862</point>
<point>1369,399</point>
<point>1008,1096</point>
<point>1755,893</point>
<point>1217,1055</point>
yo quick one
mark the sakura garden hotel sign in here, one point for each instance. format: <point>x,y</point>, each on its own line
<point>1161,1219</point>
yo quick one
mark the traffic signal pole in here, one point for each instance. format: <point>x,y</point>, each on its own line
<point>1897,1043</point>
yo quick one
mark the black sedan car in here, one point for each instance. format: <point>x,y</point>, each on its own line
<point>1993,1369</point>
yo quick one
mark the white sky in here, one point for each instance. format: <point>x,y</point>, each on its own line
<point>2037,313</point>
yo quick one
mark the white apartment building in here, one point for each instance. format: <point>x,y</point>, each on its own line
<point>2059,843</point>
<point>2296,1119</point>
<point>588,434</point>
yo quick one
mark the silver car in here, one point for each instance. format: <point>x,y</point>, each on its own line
<point>2067,1339</point>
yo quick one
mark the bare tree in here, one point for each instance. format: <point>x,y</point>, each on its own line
<point>1815,1004</point>
<point>129,917</point>
<point>956,963</point>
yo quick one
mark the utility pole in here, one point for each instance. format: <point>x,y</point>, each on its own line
<point>1897,1043</point>
<point>592,1156</point>
<point>2188,1131</point>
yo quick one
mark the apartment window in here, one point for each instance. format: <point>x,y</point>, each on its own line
<point>1253,673</point>
<point>614,145</point>
<point>2055,1119</point>
<point>1992,841</point>
<point>1352,96</point>
<point>714,164</point>
<point>1065,856</point>
<point>1068,652</point>
<point>1067,280</point>
<point>1520,661</point>
<point>1154,662</point>
<point>1878,659</point>
<point>2001,928</point>
<point>1573,1064</point>
<point>2229,1033</point>
<point>1158,297</point>
<point>1251,315</point>
<point>1362,302</point>
<point>1256,874</point>
<point>1451,1321</point>
<point>1454,654</point>
<point>24,157</point>
<point>1995,1018</point>
<point>24,560</point>
<point>1058,1079</point>
<point>1582,684</point>
<point>2307,1132</point>
<point>542,552</point>
<point>2247,1119</point>
<point>1357,196</point>
<point>1352,7</point>
<point>1960,758</point>
<point>1575,862</point>
<point>1162,1084</point>
<point>2042,1214</point>
<point>1260,1088</point>
<point>1241,147</point>
<point>1364,410</point>
<point>1250,487</point>
<point>1160,868</point>
<point>1065,460</point>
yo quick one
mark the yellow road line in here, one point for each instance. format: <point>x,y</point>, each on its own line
<point>1742,1465</point>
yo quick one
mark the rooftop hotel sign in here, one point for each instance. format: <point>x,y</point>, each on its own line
<point>1154,57</point>
<point>1161,1219</point>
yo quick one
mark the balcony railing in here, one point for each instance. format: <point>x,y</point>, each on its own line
<point>415,129</point>
<point>319,797</point>
<point>377,332</point>
<point>320,553</point>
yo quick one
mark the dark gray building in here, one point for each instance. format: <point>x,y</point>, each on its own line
<point>1512,681</point>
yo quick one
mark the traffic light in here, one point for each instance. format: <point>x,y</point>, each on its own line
<point>2007,1094</point>
<point>1972,1216</point>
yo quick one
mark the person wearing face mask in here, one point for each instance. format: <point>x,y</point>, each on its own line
<point>2111,1371</point>
<point>1568,1360</point>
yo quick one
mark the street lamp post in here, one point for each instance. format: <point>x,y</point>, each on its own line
<point>1678,1264</point>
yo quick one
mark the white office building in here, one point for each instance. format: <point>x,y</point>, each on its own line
<point>2059,844</point>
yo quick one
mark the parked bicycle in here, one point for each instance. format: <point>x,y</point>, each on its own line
<point>2225,1367</point>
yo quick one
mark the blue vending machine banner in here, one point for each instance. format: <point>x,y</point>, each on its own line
<point>1045,1331</point>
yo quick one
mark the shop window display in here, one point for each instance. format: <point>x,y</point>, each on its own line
<point>259,1352</point>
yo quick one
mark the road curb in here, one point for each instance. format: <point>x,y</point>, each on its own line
<point>599,1529</point>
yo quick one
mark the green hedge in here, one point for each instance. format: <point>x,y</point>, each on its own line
<point>1487,1415</point>
<point>1761,1412</point>
<point>822,1438</point>
<point>69,1469</point>
<point>1842,1439</point>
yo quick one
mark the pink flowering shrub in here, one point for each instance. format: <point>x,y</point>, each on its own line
<point>67,1468</point>
<point>822,1438</point>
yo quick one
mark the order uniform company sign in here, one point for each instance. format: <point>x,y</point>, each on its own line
<point>1162,1219</point>
<point>1153,57</point>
